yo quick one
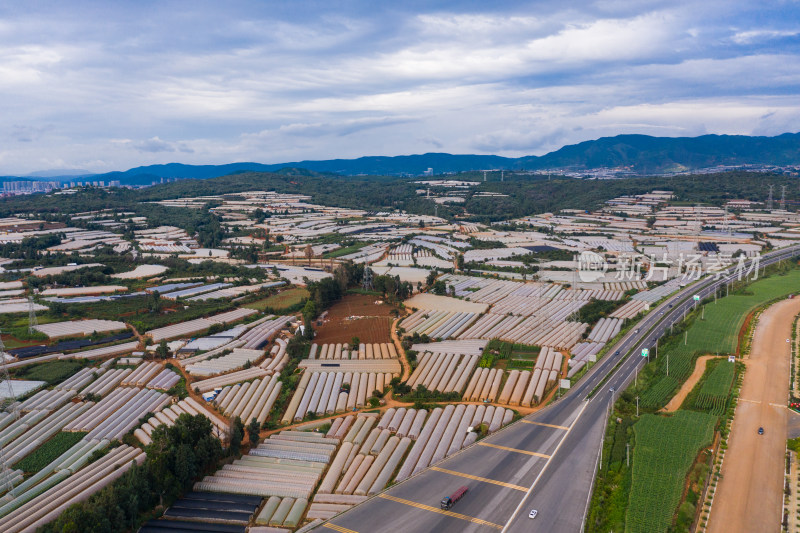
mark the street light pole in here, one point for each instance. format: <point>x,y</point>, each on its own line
<point>637,407</point>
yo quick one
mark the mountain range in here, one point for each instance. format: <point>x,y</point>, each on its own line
<point>641,154</point>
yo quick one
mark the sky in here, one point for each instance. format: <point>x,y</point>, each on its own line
<point>111,85</point>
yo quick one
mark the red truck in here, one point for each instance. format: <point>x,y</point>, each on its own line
<point>449,501</point>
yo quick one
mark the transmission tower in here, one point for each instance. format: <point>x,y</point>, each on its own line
<point>502,174</point>
<point>366,281</point>
<point>769,198</point>
<point>726,228</point>
<point>32,322</point>
<point>484,176</point>
<point>783,198</point>
<point>13,408</point>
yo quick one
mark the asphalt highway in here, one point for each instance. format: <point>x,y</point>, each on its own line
<point>546,461</point>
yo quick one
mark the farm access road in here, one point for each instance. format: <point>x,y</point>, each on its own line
<point>749,495</point>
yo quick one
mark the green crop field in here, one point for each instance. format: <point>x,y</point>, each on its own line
<point>51,371</point>
<point>665,450</point>
<point>282,300</point>
<point>714,391</point>
<point>717,332</point>
<point>345,251</point>
<point>49,451</point>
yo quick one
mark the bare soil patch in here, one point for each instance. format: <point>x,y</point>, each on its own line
<point>356,315</point>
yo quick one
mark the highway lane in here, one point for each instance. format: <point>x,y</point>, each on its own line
<point>558,478</point>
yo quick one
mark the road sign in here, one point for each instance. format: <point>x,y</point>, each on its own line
<point>645,352</point>
<point>565,383</point>
<point>696,297</point>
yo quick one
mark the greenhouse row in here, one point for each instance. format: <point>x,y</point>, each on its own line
<point>443,372</point>
<point>235,360</point>
<point>484,385</point>
<point>605,330</point>
<point>527,388</point>
<point>333,392</point>
<point>580,355</point>
<point>287,465</point>
<point>197,325</point>
<point>249,400</point>
<point>50,499</point>
<point>228,379</point>
<point>342,351</point>
<point>630,309</point>
<point>438,324</point>
<point>142,375</point>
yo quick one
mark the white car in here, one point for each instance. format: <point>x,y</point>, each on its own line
<point>533,513</point>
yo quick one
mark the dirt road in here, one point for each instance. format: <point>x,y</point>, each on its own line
<point>699,368</point>
<point>749,496</point>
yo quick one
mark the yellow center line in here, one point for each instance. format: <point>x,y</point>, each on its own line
<point>517,450</point>
<point>340,529</point>
<point>441,511</point>
<point>545,425</point>
<point>476,478</point>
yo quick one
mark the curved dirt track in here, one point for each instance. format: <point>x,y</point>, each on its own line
<point>699,368</point>
<point>749,495</point>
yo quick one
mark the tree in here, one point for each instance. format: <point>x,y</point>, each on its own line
<point>162,352</point>
<point>252,432</point>
<point>237,434</point>
<point>439,288</point>
<point>354,342</point>
<point>431,278</point>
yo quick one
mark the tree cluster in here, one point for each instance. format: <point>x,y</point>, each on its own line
<point>177,456</point>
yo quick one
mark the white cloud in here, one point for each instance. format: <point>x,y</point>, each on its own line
<point>752,36</point>
<point>272,83</point>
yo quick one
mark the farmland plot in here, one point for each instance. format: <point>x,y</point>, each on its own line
<point>665,450</point>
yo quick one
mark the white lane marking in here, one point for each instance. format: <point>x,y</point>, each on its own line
<point>546,464</point>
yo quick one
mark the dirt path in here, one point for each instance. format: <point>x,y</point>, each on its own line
<point>699,368</point>
<point>401,353</point>
<point>749,495</point>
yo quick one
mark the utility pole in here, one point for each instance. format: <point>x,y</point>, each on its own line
<point>769,198</point>
<point>686,337</point>
<point>703,313</point>
<point>32,322</point>
<point>637,407</point>
<point>628,454</point>
<point>667,365</point>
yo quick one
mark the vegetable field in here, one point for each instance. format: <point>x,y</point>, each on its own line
<point>283,300</point>
<point>665,450</point>
<point>49,451</point>
<point>713,395</point>
<point>52,371</point>
<point>718,332</point>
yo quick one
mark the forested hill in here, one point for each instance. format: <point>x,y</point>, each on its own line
<point>642,153</point>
